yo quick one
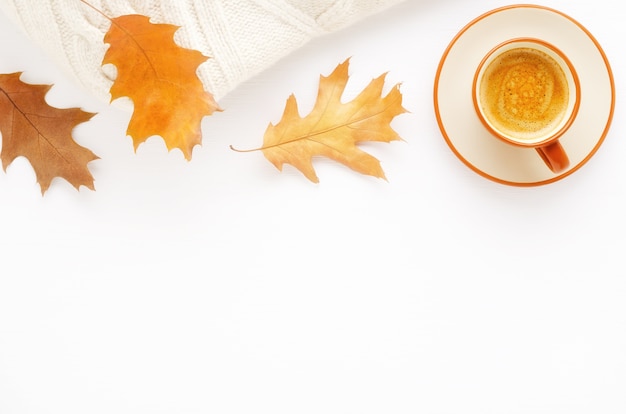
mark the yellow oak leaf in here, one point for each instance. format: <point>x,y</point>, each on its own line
<point>333,129</point>
<point>42,134</point>
<point>160,78</point>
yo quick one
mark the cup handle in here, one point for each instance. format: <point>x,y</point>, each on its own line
<point>554,156</point>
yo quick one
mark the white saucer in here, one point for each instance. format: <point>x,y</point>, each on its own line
<point>458,121</point>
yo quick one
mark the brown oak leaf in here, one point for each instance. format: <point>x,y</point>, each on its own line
<point>333,129</point>
<point>43,134</point>
<point>160,78</point>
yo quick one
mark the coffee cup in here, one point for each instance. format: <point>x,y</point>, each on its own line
<point>526,92</point>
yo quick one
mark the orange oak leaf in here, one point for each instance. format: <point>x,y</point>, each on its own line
<point>160,78</point>
<point>333,129</point>
<point>41,133</point>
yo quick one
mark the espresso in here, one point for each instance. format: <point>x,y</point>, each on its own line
<point>524,93</point>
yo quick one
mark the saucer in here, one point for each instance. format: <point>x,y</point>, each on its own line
<point>456,116</point>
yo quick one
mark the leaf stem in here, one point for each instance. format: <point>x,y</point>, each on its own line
<point>96,10</point>
<point>123,29</point>
<point>249,150</point>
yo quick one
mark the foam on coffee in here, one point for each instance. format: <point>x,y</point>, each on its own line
<point>524,93</point>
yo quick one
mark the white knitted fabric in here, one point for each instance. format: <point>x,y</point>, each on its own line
<point>241,37</point>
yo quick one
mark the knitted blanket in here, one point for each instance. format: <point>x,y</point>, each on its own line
<point>241,37</point>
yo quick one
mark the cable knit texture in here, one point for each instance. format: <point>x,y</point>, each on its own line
<point>241,37</point>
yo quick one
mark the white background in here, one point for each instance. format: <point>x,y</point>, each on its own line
<point>221,285</point>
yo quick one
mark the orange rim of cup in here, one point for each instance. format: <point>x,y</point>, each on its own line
<point>572,115</point>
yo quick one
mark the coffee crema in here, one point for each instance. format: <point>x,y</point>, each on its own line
<point>524,93</point>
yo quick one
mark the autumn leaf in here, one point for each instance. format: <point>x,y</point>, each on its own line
<point>41,133</point>
<point>160,78</point>
<point>333,129</point>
